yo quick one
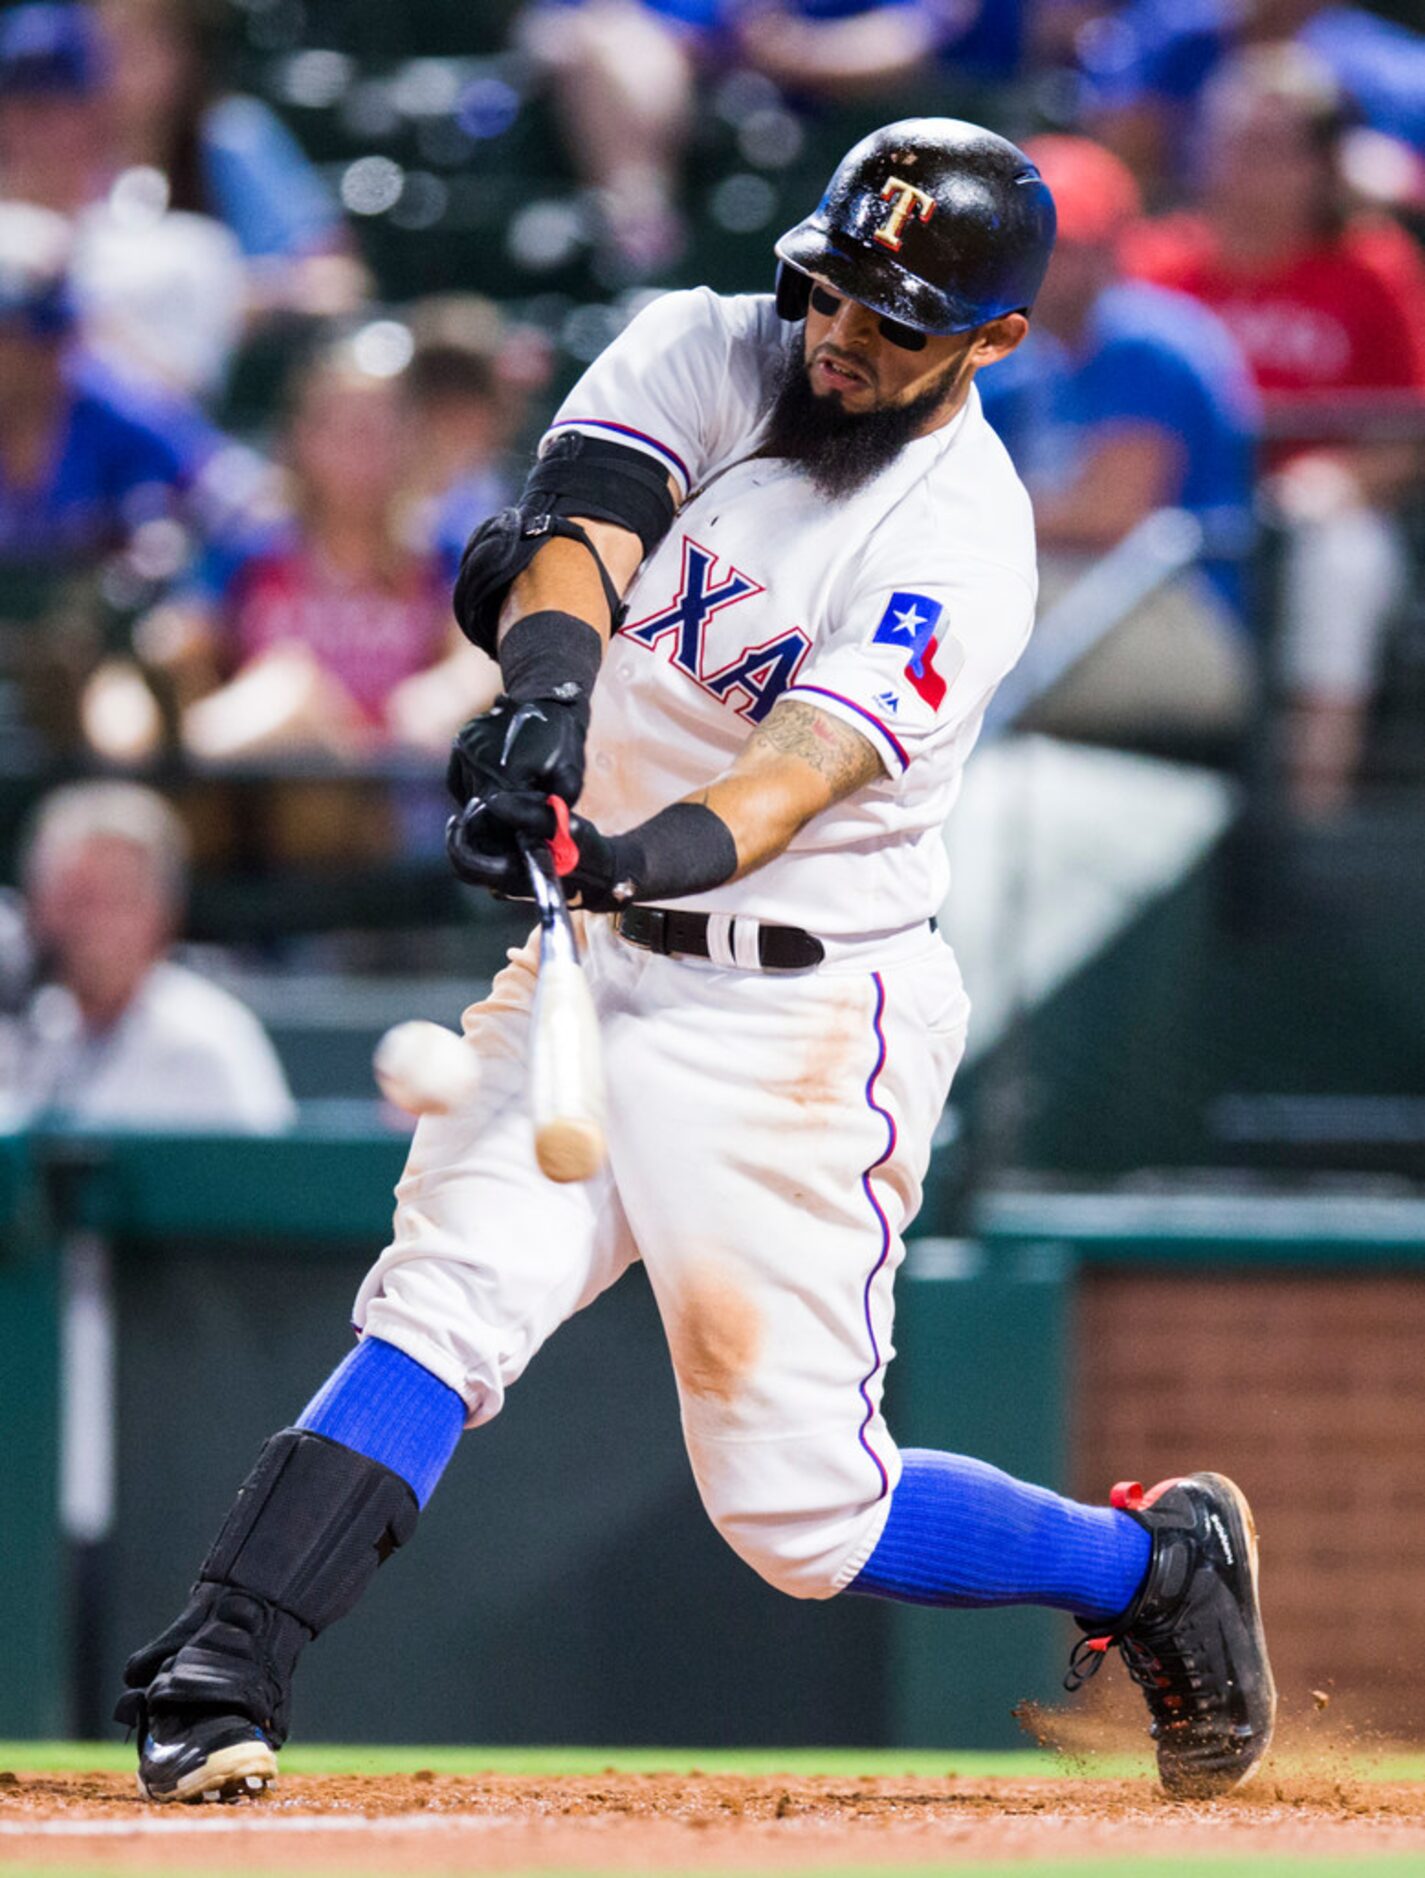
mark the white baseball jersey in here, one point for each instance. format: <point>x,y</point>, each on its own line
<point>898,610</point>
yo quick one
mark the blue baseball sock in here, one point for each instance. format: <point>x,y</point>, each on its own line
<point>385,1405</point>
<point>961,1532</point>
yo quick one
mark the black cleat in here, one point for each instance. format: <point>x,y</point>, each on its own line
<point>1192,1639</point>
<point>202,1756</point>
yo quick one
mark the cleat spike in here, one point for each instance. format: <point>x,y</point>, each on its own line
<point>204,1759</point>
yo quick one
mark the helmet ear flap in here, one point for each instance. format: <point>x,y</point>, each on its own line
<point>793,292</point>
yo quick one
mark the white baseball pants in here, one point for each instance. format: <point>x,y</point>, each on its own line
<point>768,1134</point>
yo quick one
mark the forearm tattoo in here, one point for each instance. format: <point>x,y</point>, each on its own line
<point>842,755</point>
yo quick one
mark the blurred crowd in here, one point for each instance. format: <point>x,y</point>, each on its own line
<point>1234,323</point>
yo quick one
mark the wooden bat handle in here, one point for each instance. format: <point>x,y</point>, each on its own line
<point>566,1063</point>
<point>566,1076</point>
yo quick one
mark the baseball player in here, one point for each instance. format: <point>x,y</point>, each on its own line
<point>778,533</point>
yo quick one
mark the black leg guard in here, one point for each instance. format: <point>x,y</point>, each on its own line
<point>310,1525</point>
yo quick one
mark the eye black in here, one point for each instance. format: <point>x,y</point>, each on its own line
<point>906,337</point>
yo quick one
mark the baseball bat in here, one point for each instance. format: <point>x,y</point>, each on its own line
<point>566,1068</point>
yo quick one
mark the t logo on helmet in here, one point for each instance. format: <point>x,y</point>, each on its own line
<point>907,199</point>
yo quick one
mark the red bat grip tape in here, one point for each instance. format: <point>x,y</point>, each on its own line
<point>563,848</point>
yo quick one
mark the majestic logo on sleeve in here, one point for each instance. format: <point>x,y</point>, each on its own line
<point>909,621</point>
<point>758,675</point>
<point>905,200</point>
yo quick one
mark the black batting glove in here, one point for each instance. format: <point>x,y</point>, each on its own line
<point>485,846</point>
<point>592,879</point>
<point>486,853</point>
<point>537,743</point>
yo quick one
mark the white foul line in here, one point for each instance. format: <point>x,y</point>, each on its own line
<point>230,1820</point>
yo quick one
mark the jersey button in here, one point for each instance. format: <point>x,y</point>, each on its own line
<point>602,762</point>
<point>625,671</point>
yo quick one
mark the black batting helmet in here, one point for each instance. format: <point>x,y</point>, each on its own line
<point>936,223</point>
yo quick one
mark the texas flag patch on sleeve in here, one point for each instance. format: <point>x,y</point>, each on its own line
<point>909,621</point>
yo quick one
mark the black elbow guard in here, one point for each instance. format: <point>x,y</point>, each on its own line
<point>608,482</point>
<point>577,475</point>
<point>495,556</point>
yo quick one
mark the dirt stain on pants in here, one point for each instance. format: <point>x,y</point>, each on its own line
<point>714,1333</point>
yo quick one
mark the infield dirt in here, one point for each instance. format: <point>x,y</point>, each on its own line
<point>429,1822</point>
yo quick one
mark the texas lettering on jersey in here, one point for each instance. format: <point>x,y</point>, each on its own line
<point>758,674</point>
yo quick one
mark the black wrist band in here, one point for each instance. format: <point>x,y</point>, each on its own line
<point>544,651</point>
<point>687,848</point>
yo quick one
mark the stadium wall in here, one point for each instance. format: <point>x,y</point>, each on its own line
<point>565,1586</point>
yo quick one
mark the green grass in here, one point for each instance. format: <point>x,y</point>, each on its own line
<point>82,1756</point>
<point>324,1758</point>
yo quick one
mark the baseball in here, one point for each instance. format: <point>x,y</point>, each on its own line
<point>425,1069</point>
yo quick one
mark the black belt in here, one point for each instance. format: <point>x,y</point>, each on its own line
<point>665,930</point>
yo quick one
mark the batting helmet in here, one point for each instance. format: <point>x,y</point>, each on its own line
<point>933,222</point>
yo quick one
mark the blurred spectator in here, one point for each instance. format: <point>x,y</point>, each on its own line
<point>117,1035</point>
<point>54,141</point>
<point>332,634</point>
<point>90,463</point>
<point>1322,304</point>
<point>225,156</point>
<point>1126,399</point>
<point>624,75</point>
<point>845,49</point>
<point>191,210</point>
<point>85,457</point>
<point>1145,65</point>
<point>467,407</point>
<point>161,293</point>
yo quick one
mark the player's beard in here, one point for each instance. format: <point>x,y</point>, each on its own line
<point>840,450</point>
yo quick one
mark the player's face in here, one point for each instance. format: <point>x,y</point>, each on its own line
<point>865,363</point>
<point>865,387</point>
<point>850,359</point>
